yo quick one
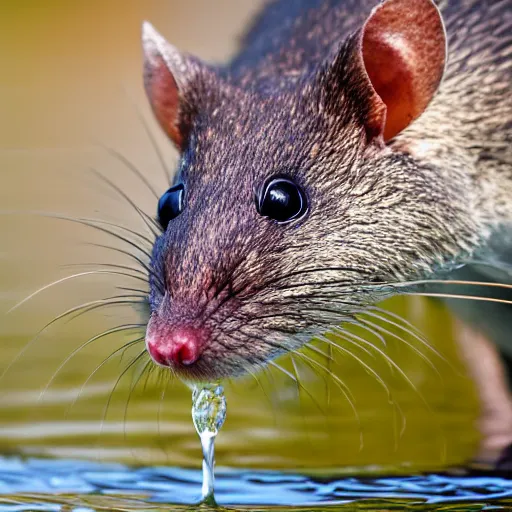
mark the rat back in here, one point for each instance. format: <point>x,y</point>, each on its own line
<point>467,125</point>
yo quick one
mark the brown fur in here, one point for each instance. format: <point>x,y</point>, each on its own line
<point>296,102</point>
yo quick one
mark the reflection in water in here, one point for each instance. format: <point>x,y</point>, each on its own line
<point>119,486</point>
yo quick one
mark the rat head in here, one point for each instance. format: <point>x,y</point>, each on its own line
<point>289,209</point>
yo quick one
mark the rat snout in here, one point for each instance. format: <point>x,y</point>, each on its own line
<point>174,346</point>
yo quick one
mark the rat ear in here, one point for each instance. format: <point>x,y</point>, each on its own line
<point>392,67</point>
<point>169,79</point>
<point>404,54</point>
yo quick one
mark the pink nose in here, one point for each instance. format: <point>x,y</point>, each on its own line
<point>173,347</point>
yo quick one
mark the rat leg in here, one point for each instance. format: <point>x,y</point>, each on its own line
<point>488,372</point>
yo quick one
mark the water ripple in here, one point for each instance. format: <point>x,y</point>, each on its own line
<point>170,485</point>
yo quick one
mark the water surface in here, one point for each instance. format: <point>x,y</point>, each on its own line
<point>79,486</point>
<point>387,448</point>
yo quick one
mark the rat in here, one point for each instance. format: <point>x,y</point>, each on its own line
<point>349,147</point>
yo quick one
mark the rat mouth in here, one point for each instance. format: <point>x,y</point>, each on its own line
<point>188,352</point>
<point>205,370</point>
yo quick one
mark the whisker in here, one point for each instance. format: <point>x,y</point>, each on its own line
<point>330,360</point>
<point>123,373</point>
<point>116,300</point>
<point>92,223</point>
<point>353,340</point>
<point>372,373</point>
<point>385,312</point>
<point>356,337</point>
<point>140,261</point>
<point>153,227</point>
<point>324,369</point>
<point>98,368</point>
<point>131,243</point>
<point>404,376</point>
<point>403,340</point>
<point>399,338</point>
<point>144,265</point>
<point>159,419</point>
<point>318,300</point>
<point>265,394</point>
<point>104,334</point>
<point>304,417</point>
<point>144,293</point>
<point>268,316</point>
<point>86,306</point>
<point>152,139</point>
<point>108,265</point>
<point>454,282</point>
<point>133,385</point>
<point>394,365</point>
<point>151,370</point>
<point>368,368</point>
<point>345,390</point>
<point>454,296</point>
<point>297,383</point>
<point>119,156</point>
<point>274,344</point>
<point>156,227</point>
<point>68,278</point>
<point>415,333</point>
<point>316,350</point>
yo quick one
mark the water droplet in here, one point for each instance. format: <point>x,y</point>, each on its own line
<point>208,409</point>
<point>208,414</point>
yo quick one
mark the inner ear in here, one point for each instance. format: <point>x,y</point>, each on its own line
<point>404,53</point>
<point>164,95</point>
<point>177,85</point>
<point>166,75</point>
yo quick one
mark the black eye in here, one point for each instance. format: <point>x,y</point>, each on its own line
<point>281,199</point>
<point>170,204</point>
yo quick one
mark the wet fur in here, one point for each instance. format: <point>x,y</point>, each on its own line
<point>291,103</point>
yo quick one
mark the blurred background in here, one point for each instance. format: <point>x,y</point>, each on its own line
<point>71,84</point>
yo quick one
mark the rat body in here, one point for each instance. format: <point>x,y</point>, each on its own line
<point>341,153</point>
